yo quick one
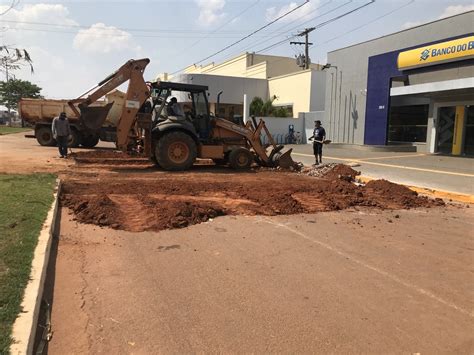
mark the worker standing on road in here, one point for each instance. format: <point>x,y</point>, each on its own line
<point>61,132</point>
<point>319,135</point>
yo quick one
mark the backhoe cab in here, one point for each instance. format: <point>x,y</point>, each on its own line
<point>174,134</point>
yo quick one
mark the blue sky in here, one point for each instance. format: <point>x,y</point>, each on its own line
<point>76,43</point>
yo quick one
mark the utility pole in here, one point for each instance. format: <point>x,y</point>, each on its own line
<point>306,43</point>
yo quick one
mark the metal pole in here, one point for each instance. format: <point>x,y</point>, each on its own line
<point>339,114</point>
<point>306,50</point>
<point>330,108</point>
<point>246,109</point>
<point>335,104</point>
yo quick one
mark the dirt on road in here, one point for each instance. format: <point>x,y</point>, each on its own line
<point>176,200</point>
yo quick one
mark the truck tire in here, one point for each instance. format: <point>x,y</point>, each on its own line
<point>44,136</point>
<point>74,139</point>
<point>175,151</point>
<point>240,159</point>
<point>89,141</point>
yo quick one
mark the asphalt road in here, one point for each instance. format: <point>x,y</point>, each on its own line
<point>447,173</point>
<point>340,282</point>
<point>344,282</point>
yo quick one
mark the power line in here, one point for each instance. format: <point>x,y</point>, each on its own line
<point>112,34</point>
<point>295,27</point>
<point>232,60</point>
<point>370,22</point>
<point>13,4</point>
<point>363,25</point>
<point>294,36</point>
<point>184,31</point>
<point>249,35</point>
<point>220,27</point>
<point>319,25</point>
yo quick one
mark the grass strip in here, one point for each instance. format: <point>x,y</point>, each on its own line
<point>24,204</point>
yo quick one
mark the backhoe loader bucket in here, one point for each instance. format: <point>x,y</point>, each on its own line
<point>285,161</point>
<point>93,117</point>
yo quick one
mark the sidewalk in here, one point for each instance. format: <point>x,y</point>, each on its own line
<point>446,173</point>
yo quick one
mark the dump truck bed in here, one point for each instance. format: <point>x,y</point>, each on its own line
<point>44,110</point>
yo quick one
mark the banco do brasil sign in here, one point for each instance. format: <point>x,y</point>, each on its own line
<point>458,49</point>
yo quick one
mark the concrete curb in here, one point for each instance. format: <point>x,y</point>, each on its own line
<point>445,195</point>
<point>24,328</point>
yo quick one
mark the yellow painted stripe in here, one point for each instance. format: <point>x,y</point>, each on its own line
<point>396,157</point>
<point>360,161</point>
<point>458,130</point>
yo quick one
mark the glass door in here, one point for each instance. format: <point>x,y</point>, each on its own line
<point>446,119</point>
<point>469,131</point>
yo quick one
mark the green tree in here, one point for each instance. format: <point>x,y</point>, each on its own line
<point>281,112</point>
<point>15,89</point>
<point>258,107</point>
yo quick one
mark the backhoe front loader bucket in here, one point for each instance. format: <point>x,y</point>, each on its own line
<point>284,160</point>
<point>93,117</point>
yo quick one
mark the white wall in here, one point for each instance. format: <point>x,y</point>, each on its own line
<point>279,126</point>
<point>318,91</point>
<point>233,88</point>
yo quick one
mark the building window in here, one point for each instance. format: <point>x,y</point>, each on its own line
<point>408,123</point>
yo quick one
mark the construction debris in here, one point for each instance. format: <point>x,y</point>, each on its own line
<point>331,171</point>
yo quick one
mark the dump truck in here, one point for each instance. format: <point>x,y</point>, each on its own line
<point>149,126</point>
<point>40,113</point>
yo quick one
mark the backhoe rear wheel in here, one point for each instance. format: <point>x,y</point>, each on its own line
<point>240,159</point>
<point>176,151</point>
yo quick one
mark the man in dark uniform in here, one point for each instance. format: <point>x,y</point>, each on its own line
<point>61,131</point>
<point>319,135</point>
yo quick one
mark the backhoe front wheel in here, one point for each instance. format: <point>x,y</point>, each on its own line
<point>240,159</point>
<point>176,151</point>
<point>89,141</point>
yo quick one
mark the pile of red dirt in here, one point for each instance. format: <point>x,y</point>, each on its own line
<point>341,171</point>
<point>108,157</point>
<point>400,194</point>
<point>100,153</point>
<point>96,209</point>
<point>162,201</point>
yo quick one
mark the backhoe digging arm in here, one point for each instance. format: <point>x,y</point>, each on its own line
<point>137,93</point>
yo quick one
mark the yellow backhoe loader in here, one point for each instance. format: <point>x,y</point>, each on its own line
<point>149,127</point>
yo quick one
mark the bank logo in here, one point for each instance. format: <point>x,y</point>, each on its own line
<point>425,54</point>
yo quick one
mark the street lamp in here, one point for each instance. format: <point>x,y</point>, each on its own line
<point>331,112</point>
<point>328,65</point>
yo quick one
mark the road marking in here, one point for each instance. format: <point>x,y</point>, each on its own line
<point>395,157</point>
<point>312,156</point>
<point>361,161</point>
<point>373,268</point>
